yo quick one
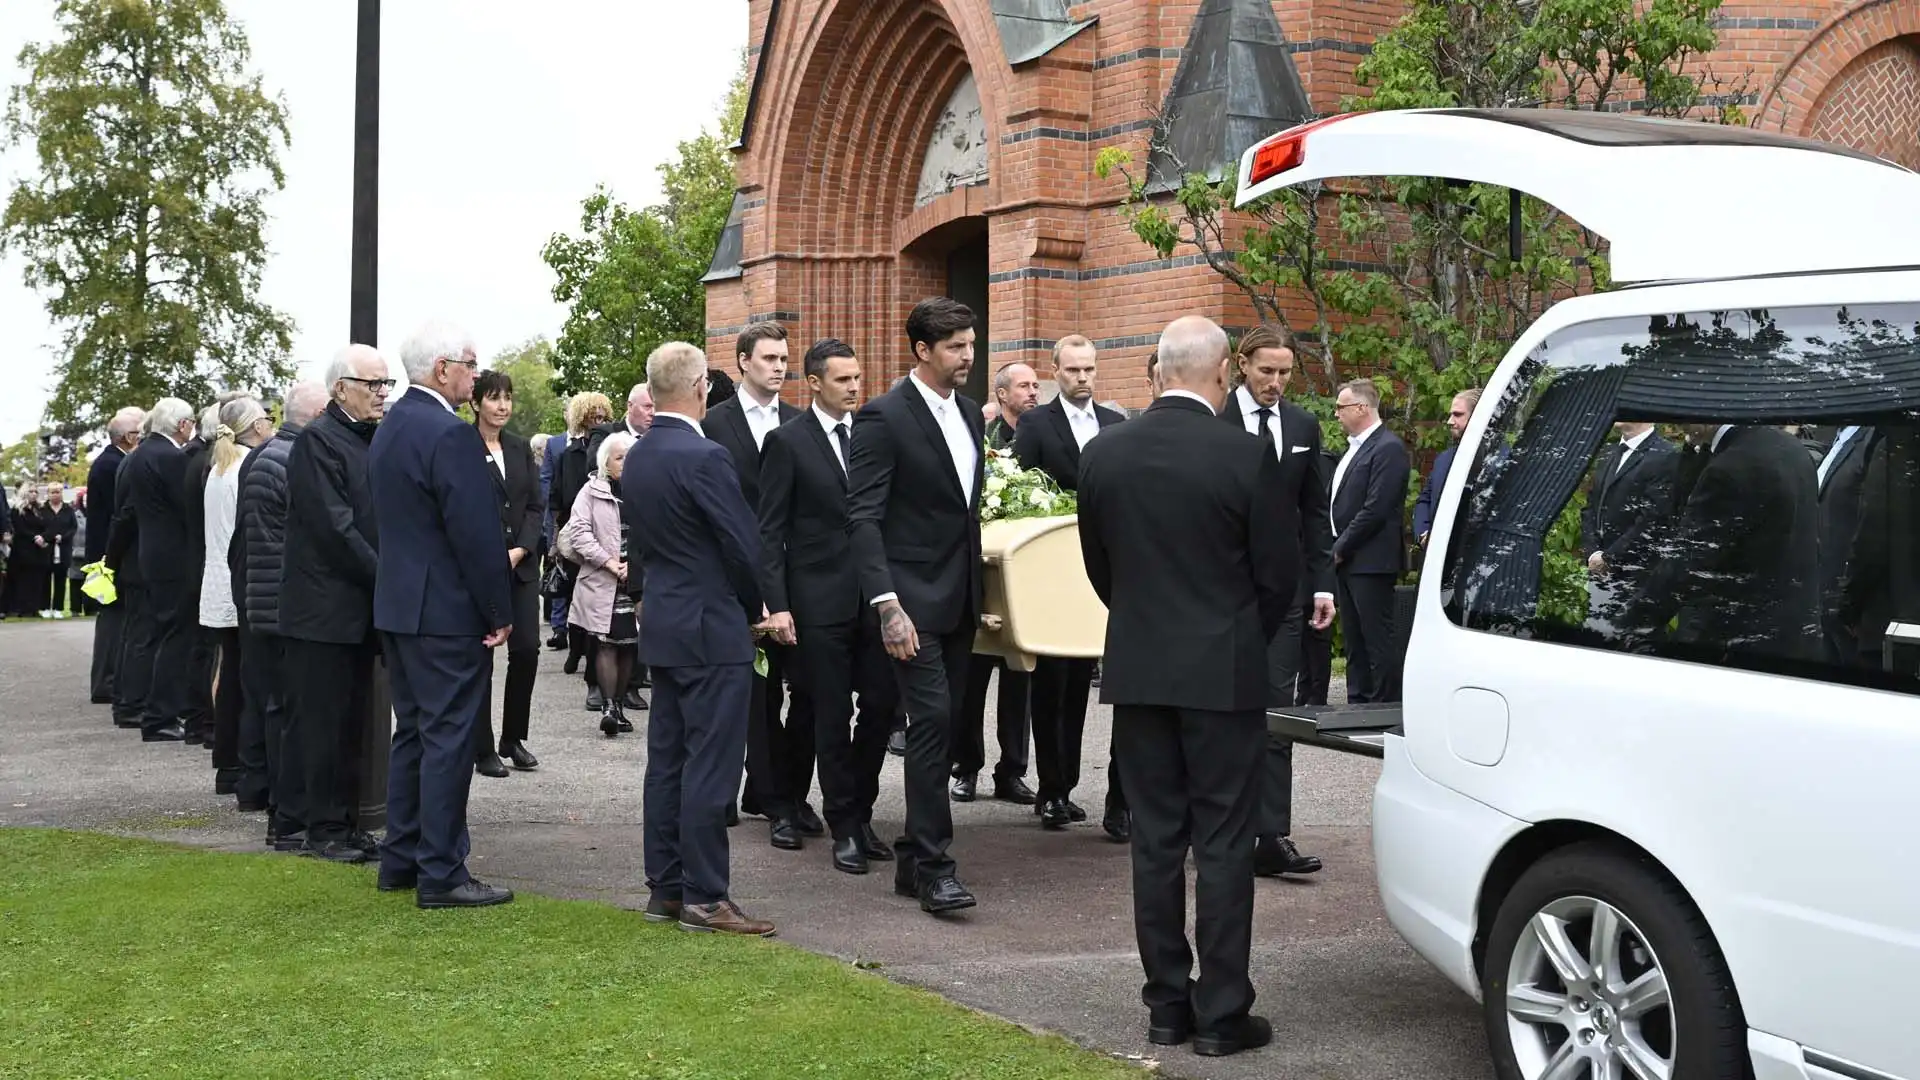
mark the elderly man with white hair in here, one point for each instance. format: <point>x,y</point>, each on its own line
<point>123,434</point>
<point>150,538</point>
<point>1190,535</point>
<point>443,600</point>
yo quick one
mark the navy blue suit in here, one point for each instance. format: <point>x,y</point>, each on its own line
<point>442,585</point>
<point>1429,500</point>
<point>549,473</point>
<point>699,545</point>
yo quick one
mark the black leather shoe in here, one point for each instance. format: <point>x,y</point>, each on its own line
<point>490,765</point>
<point>170,733</point>
<point>519,756</point>
<point>557,642</point>
<point>1075,810</point>
<point>945,894</point>
<point>733,815</point>
<point>470,893</point>
<point>897,743</point>
<point>626,725</point>
<point>848,857</point>
<point>194,738</point>
<point>634,701</point>
<point>249,805</point>
<point>1276,855</point>
<point>572,664</point>
<point>365,842</point>
<point>808,822</point>
<point>295,842</point>
<point>1055,815</point>
<point>1169,1027</point>
<point>595,700</point>
<point>609,723</point>
<point>1251,1033</point>
<point>226,781</point>
<point>396,882</point>
<point>784,835</point>
<point>335,851</point>
<point>1118,825</point>
<point>874,847</point>
<point>965,788</point>
<point>1013,790</point>
<point>126,724</point>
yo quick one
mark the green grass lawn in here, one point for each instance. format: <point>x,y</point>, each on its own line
<point>123,958</point>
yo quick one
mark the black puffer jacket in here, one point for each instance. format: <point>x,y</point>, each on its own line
<point>260,530</point>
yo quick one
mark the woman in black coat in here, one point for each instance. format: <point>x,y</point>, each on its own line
<point>30,564</point>
<point>522,516</point>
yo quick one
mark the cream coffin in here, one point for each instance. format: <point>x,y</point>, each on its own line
<point>1038,599</point>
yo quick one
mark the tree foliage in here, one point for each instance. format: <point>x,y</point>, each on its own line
<point>536,407</point>
<point>144,224</point>
<point>1437,296</point>
<point>631,278</point>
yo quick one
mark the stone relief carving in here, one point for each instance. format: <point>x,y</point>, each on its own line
<point>957,154</point>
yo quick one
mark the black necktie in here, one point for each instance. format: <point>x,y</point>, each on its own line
<point>1266,424</point>
<point>840,436</point>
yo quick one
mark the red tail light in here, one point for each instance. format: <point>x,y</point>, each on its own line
<point>1285,151</point>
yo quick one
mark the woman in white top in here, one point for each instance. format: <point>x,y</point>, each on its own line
<point>243,426</point>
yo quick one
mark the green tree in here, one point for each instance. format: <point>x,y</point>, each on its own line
<point>536,407</point>
<point>631,278</point>
<point>144,224</point>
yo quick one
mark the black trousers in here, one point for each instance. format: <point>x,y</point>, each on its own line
<point>696,734</point>
<point>204,654</point>
<point>1366,620</point>
<point>133,680</point>
<point>29,588</point>
<point>523,664</point>
<point>1060,691</point>
<point>780,754</point>
<point>932,687</point>
<point>439,694</point>
<point>329,695</point>
<point>1316,664</point>
<point>58,588</point>
<point>970,729</point>
<point>840,660</point>
<point>1194,780</point>
<point>263,725</point>
<point>170,690</point>
<point>1275,817</point>
<point>229,698</point>
<point>108,628</point>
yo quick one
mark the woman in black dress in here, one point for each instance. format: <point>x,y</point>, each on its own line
<point>522,516</point>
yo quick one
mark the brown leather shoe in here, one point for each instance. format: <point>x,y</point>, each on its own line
<point>724,917</point>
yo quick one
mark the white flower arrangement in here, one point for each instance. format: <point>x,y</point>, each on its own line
<point>1012,492</point>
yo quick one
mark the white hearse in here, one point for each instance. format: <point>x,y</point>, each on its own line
<point>1675,833</point>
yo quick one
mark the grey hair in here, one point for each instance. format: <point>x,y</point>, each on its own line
<point>676,369</point>
<point>303,402</point>
<point>208,420</point>
<point>1190,349</point>
<point>538,444</point>
<point>341,366</point>
<point>168,414</point>
<point>639,388</point>
<point>125,421</point>
<point>431,343</point>
<point>619,439</point>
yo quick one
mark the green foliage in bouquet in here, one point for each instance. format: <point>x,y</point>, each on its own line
<point>1012,492</point>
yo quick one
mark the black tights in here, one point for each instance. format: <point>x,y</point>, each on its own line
<point>613,664</point>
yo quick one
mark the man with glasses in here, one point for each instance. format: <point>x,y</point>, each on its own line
<point>1369,545</point>
<point>326,600</point>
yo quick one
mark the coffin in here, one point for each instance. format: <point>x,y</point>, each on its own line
<point>1038,601</point>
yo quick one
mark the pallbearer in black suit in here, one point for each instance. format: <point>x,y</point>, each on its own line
<point>150,523</point>
<point>122,436</point>
<point>810,586</point>
<point>1841,475</point>
<point>1016,391</point>
<point>1369,541</point>
<point>1629,503</point>
<point>1198,565</point>
<point>914,518</point>
<point>779,756</point>
<point>1052,439</point>
<point>1265,358</point>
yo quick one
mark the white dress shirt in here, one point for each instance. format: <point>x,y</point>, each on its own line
<point>1628,446</point>
<point>1250,419</point>
<point>1085,423</point>
<point>1833,452</point>
<point>960,445</point>
<point>828,424</point>
<point>1354,443</point>
<point>435,395</point>
<point>1717,436</point>
<point>760,418</point>
<point>1191,396</point>
<point>685,419</point>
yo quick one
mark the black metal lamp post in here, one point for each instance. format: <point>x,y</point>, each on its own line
<point>364,302</point>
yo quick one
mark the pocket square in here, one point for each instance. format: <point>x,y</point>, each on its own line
<point>1301,449</point>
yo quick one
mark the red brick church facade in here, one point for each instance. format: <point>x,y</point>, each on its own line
<point>900,148</point>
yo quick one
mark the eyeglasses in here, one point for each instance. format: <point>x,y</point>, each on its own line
<point>1350,405</point>
<point>378,386</point>
<point>474,364</point>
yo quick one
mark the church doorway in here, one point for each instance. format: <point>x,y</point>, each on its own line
<point>967,283</point>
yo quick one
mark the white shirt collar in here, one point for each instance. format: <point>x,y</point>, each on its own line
<point>1354,441</point>
<point>685,419</point>
<point>633,431</point>
<point>1176,392</point>
<point>435,395</point>
<point>1086,413</point>
<point>828,423</point>
<point>1248,405</point>
<point>935,401</point>
<point>1634,442</point>
<point>1717,436</point>
<point>747,402</point>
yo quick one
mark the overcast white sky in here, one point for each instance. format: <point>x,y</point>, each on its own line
<point>497,118</point>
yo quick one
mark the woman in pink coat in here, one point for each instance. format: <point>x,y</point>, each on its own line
<point>603,605</point>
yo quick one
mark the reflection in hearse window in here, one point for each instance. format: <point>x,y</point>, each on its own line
<point>1736,488</point>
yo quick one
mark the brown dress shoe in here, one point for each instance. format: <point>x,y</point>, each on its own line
<point>722,918</point>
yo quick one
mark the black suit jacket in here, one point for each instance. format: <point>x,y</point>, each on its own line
<point>1196,561</point>
<point>1369,534</point>
<point>1302,485</point>
<point>726,424</point>
<point>151,519</point>
<point>1840,504</point>
<point>806,556</point>
<point>100,502</point>
<point>1741,572</point>
<point>1045,441</point>
<point>1628,506</point>
<point>523,511</point>
<point>914,532</point>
